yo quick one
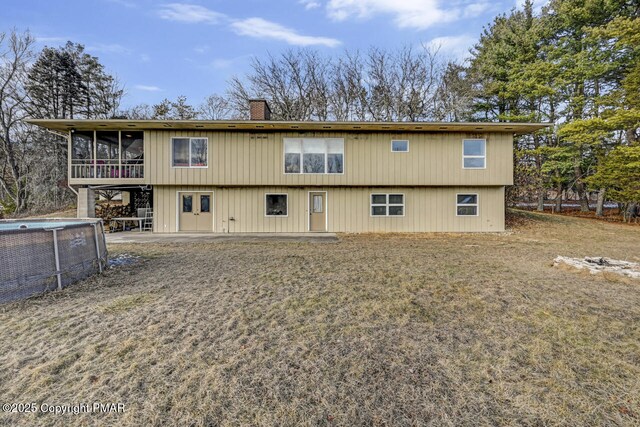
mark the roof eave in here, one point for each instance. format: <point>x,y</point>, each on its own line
<point>272,126</point>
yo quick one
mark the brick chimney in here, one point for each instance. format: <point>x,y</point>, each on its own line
<point>259,109</point>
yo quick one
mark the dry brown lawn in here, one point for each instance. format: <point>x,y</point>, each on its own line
<point>380,330</point>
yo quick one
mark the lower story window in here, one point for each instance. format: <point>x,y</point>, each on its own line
<point>387,205</point>
<point>276,205</point>
<point>467,205</point>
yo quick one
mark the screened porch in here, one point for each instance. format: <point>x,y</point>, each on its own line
<point>107,155</point>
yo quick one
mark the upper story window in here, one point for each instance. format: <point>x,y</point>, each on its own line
<point>399,145</point>
<point>474,153</point>
<point>189,152</point>
<point>314,155</point>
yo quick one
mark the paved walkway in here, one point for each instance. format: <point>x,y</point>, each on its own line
<point>147,237</point>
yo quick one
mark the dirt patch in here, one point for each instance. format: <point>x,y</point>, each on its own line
<point>601,265</point>
<point>439,329</point>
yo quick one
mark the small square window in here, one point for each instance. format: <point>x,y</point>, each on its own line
<point>399,145</point>
<point>276,205</point>
<point>467,205</point>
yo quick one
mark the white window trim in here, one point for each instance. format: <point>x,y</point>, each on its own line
<point>265,205</point>
<point>189,138</point>
<point>387,204</point>
<point>326,160</point>
<point>476,204</point>
<point>403,140</point>
<point>475,157</point>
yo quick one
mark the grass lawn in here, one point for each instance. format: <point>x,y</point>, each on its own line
<point>419,329</point>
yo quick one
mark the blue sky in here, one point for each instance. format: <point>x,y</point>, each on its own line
<point>162,49</point>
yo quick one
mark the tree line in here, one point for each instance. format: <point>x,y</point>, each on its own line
<point>57,83</point>
<point>575,64</point>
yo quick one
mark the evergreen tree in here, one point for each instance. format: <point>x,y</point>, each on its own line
<point>68,83</point>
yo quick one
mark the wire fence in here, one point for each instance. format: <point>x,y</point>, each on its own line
<point>38,256</point>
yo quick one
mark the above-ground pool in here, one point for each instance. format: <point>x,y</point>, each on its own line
<point>37,256</point>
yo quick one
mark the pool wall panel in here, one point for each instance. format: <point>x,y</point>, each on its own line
<point>27,257</point>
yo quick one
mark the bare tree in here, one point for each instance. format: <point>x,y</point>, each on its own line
<point>316,69</point>
<point>164,110</point>
<point>381,83</point>
<point>214,107</point>
<point>296,84</point>
<point>136,112</point>
<point>348,96</point>
<point>454,95</point>
<point>238,96</point>
<point>303,85</point>
<point>15,55</point>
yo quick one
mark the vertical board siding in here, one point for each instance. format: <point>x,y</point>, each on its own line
<point>348,209</point>
<point>256,159</point>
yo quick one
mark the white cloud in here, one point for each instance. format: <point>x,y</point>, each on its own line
<point>418,14</point>
<point>261,28</point>
<point>251,27</point>
<point>147,88</point>
<point>453,46</point>
<point>310,4</point>
<point>190,13</point>
<point>475,9</point>
<point>145,57</point>
<point>415,14</point>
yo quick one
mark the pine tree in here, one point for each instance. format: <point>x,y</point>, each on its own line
<point>66,83</point>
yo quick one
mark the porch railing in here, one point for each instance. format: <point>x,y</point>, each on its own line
<point>102,169</point>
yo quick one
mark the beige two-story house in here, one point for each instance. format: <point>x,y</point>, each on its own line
<point>279,176</point>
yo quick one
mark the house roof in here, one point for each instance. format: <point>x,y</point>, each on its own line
<point>273,125</point>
